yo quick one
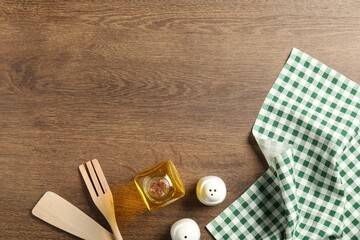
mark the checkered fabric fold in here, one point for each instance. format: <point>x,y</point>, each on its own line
<point>308,131</point>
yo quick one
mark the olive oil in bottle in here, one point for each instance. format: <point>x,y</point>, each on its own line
<point>160,185</point>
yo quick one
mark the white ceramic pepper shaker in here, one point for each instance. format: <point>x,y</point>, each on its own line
<point>185,229</point>
<point>211,190</point>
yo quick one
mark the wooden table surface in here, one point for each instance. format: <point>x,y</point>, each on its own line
<point>133,83</point>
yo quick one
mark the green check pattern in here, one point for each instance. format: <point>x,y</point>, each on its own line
<point>308,130</point>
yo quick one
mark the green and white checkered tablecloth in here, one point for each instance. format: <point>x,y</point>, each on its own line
<point>308,130</point>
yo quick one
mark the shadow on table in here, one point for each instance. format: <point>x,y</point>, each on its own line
<point>128,204</point>
<point>190,202</point>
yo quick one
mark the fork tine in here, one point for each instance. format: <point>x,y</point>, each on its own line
<point>94,178</point>
<point>100,174</point>
<point>87,181</point>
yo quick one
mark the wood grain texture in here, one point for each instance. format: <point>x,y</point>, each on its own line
<point>133,83</point>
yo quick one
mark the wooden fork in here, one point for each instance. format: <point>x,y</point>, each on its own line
<point>100,193</point>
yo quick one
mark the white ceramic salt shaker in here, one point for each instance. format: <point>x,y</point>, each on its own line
<point>211,190</point>
<point>185,229</point>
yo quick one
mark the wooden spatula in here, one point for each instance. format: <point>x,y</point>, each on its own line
<point>100,193</point>
<point>60,213</point>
